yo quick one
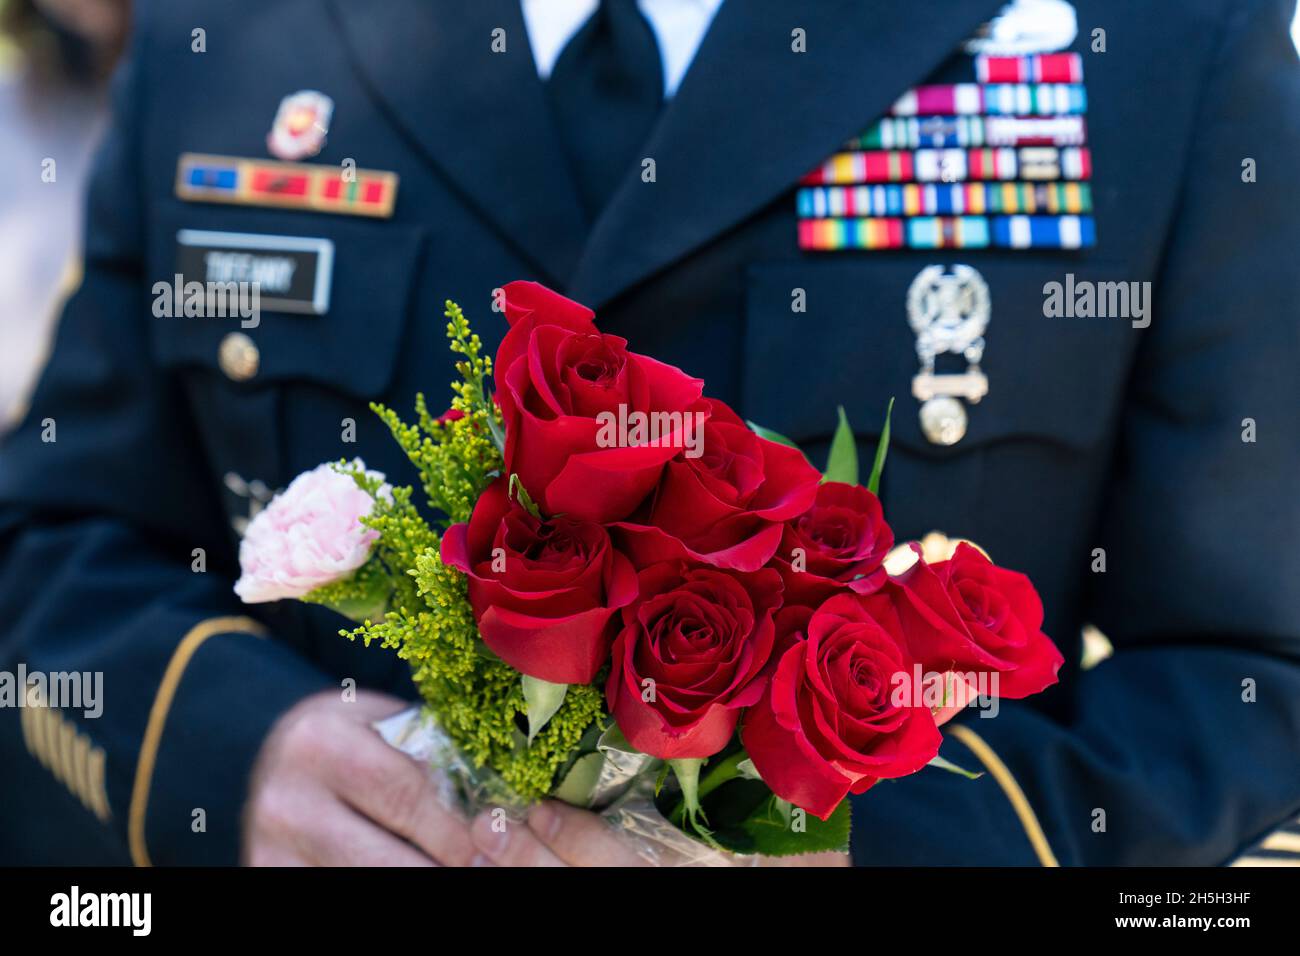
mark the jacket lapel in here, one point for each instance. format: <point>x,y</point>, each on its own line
<point>480,117</point>
<point>752,116</point>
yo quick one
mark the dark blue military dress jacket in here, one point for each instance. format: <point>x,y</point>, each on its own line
<point>1094,434</point>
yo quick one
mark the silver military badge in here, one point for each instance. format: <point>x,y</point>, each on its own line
<point>948,312</point>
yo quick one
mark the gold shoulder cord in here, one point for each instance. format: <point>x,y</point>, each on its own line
<point>1007,782</point>
<point>162,703</point>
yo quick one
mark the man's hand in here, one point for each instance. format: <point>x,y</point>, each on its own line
<point>328,791</point>
<point>557,834</point>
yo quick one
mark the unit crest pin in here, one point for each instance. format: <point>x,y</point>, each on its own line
<point>300,125</point>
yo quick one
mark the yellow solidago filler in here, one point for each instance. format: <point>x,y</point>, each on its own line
<point>476,697</point>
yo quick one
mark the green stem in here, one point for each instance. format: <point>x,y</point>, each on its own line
<point>726,770</point>
<point>718,774</point>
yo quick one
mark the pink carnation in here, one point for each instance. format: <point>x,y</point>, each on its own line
<point>310,535</point>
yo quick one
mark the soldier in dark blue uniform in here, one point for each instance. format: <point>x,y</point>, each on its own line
<point>1135,454</point>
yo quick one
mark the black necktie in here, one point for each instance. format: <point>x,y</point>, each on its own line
<point>605,92</point>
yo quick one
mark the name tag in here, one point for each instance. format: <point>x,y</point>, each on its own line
<point>289,273</point>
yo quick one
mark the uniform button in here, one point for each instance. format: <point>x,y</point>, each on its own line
<point>238,357</point>
<point>943,420</point>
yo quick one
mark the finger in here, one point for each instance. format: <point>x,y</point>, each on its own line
<point>508,843</point>
<point>401,795</point>
<point>580,837</point>
<point>339,836</point>
<point>309,826</point>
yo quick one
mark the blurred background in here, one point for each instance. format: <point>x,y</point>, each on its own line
<point>55,60</point>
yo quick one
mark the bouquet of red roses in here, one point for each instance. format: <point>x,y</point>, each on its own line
<point>628,598</point>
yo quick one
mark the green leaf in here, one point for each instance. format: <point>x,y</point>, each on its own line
<point>496,430</point>
<point>542,699</point>
<point>770,435</point>
<point>778,829</point>
<point>516,488</point>
<point>746,817</point>
<point>613,739</point>
<point>361,597</point>
<point>951,767</point>
<point>587,744</point>
<point>842,463</point>
<point>580,782</point>
<point>882,449</point>
<point>661,778</point>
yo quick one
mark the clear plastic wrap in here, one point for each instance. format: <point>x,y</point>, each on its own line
<point>616,783</point>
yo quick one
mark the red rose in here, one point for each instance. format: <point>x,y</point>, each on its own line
<point>690,655</point>
<point>725,505</point>
<point>967,614</point>
<point>545,593</point>
<point>555,373</point>
<point>839,542</point>
<point>830,721</point>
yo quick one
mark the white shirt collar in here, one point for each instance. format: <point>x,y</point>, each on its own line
<point>679,27</point>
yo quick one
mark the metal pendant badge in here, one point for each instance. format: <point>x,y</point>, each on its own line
<point>949,313</point>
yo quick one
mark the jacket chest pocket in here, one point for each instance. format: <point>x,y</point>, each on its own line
<point>1054,382</point>
<point>336,332</point>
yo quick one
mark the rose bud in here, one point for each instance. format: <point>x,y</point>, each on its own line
<point>967,614</point>
<point>690,655</point>
<point>310,535</point>
<point>838,543</point>
<point>545,593</point>
<point>833,719</point>
<point>555,374</point>
<point>725,506</point>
